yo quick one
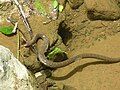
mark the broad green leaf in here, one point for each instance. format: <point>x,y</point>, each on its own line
<point>55,3</point>
<point>60,8</point>
<point>55,51</point>
<point>6,29</point>
<point>39,7</point>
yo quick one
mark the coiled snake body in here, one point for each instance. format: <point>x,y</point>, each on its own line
<point>53,64</point>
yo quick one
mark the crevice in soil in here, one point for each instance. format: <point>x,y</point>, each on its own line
<point>64,32</point>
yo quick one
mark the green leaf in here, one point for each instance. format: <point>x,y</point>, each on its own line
<point>6,29</point>
<point>55,51</point>
<point>55,3</point>
<point>60,8</point>
<point>39,7</point>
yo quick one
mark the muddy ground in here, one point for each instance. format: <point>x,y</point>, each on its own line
<point>77,34</point>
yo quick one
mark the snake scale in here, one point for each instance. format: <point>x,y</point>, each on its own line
<point>53,64</point>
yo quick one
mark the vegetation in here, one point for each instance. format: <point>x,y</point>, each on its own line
<point>7,30</point>
<point>54,52</point>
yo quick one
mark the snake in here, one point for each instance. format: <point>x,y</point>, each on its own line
<point>42,58</point>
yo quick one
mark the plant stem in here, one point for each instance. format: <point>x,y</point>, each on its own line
<point>25,20</point>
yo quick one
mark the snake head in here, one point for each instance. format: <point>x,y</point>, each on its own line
<point>27,44</point>
<point>24,42</point>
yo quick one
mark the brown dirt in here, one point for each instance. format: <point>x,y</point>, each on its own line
<point>101,37</point>
<point>90,74</point>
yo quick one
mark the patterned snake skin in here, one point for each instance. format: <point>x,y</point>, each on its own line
<point>53,64</point>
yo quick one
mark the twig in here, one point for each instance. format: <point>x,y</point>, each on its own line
<point>15,23</point>
<point>15,28</point>
<point>25,20</point>
<point>18,45</point>
<point>23,35</point>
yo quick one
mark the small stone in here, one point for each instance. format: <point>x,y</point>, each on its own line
<point>102,9</point>
<point>57,86</point>
<point>74,4</point>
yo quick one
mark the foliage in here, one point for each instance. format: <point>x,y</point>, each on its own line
<point>55,3</point>
<point>40,7</point>
<point>54,51</point>
<point>6,29</point>
<point>60,8</point>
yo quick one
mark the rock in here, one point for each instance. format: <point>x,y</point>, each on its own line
<point>68,87</point>
<point>6,9</point>
<point>1,1</point>
<point>14,75</point>
<point>118,2</point>
<point>74,4</point>
<point>102,9</point>
<point>57,86</point>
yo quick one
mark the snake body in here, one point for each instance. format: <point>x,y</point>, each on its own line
<point>53,64</point>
